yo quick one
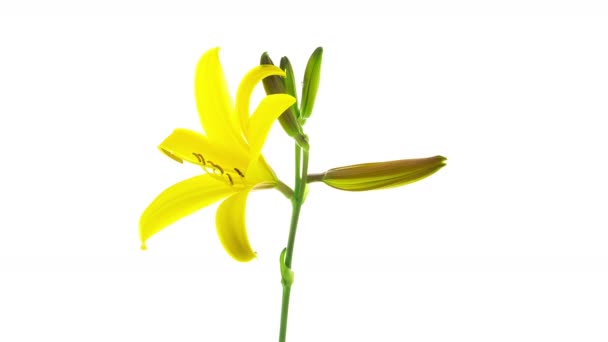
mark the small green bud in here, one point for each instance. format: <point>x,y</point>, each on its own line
<point>289,122</point>
<point>312,76</point>
<point>382,175</point>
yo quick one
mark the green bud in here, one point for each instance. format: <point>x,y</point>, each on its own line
<point>272,84</point>
<point>290,83</point>
<point>312,76</point>
<point>382,175</point>
<point>289,122</point>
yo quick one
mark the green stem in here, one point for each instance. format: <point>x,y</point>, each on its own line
<point>301,171</point>
<point>298,155</point>
<point>315,177</point>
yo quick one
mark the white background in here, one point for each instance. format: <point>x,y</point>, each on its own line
<point>506,243</point>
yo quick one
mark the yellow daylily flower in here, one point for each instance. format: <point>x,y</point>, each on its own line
<point>229,152</point>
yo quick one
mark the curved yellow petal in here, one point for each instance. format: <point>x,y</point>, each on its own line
<point>271,107</point>
<point>214,103</point>
<point>231,229</point>
<point>243,94</point>
<point>180,200</point>
<point>184,144</point>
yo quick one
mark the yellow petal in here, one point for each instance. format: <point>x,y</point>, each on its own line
<point>231,229</point>
<point>260,172</point>
<point>243,94</point>
<point>271,107</point>
<point>184,144</point>
<point>214,103</point>
<point>180,200</point>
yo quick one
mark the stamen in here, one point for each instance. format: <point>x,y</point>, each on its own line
<point>216,170</point>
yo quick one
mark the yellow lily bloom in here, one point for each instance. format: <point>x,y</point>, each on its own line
<point>229,152</point>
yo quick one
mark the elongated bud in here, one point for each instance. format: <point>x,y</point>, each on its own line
<point>288,120</point>
<point>290,83</point>
<point>312,76</point>
<point>372,176</point>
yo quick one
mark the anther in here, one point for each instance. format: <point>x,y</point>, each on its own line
<point>239,172</point>
<point>215,166</point>
<point>230,179</point>
<point>200,158</point>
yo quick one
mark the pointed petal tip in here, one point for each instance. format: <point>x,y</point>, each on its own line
<point>211,53</point>
<point>143,236</point>
<point>244,259</point>
<point>213,50</point>
<point>171,155</point>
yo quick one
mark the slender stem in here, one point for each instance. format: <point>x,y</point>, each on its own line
<point>287,286</point>
<point>298,155</point>
<point>295,215</point>
<point>301,171</point>
<point>284,312</point>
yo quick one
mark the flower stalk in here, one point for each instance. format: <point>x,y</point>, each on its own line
<point>301,172</point>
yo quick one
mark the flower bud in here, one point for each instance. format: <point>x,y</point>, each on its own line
<point>290,83</point>
<point>382,175</point>
<point>289,122</point>
<point>312,76</point>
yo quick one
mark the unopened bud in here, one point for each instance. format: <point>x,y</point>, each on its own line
<point>312,76</point>
<point>290,83</point>
<point>382,175</point>
<point>289,122</point>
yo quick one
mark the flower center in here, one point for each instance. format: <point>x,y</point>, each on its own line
<point>231,175</point>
